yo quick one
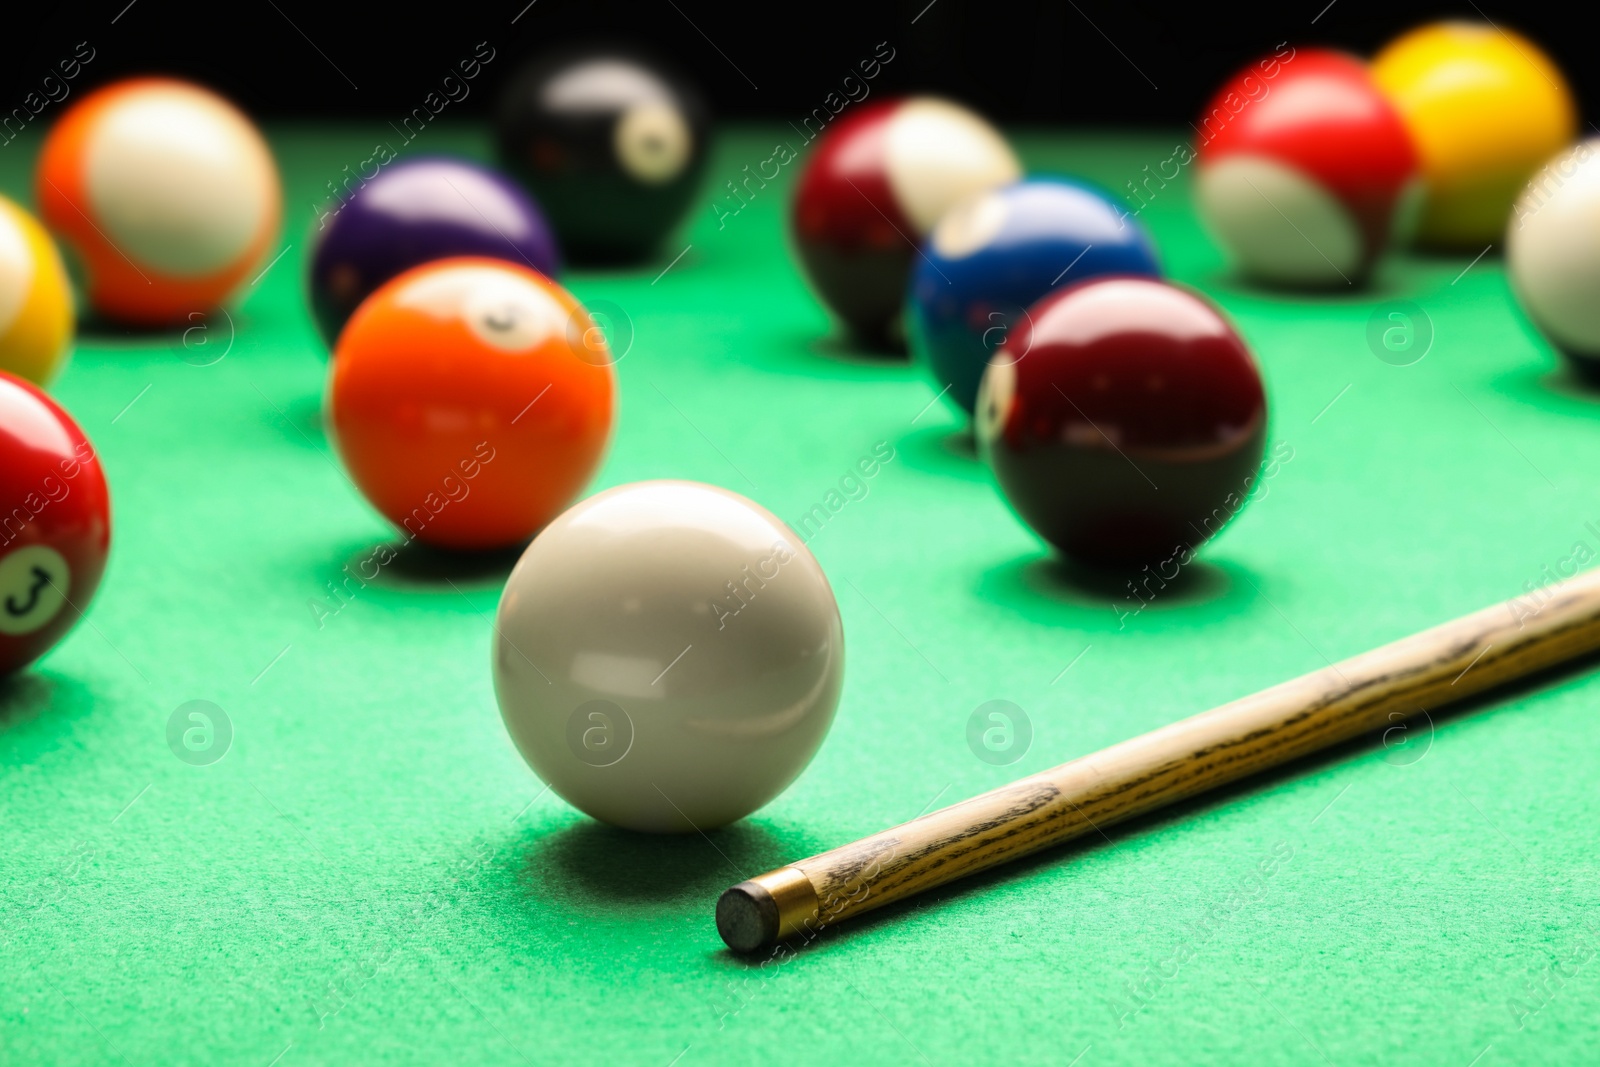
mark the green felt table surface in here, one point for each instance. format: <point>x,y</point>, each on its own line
<point>371,874</point>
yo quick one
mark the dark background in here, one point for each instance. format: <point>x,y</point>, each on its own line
<point>1069,61</point>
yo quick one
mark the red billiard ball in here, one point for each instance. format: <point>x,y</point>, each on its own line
<point>877,182</point>
<point>1306,170</point>
<point>1124,420</point>
<point>55,523</point>
<point>471,400</point>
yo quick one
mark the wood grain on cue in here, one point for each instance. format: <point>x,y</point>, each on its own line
<point>1373,690</point>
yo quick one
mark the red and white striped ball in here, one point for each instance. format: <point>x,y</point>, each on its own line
<point>1306,173</point>
<point>878,180</point>
<point>166,193</point>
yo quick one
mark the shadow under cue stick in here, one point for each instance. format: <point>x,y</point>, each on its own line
<point>1375,689</point>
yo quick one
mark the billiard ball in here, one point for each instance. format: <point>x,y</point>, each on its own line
<point>878,180</point>
<point>1553,254</point>
<point>470,399</point>
<point>35,298</point>
<point>416,211</point>
<point>1487,108</point>
<point>165,191</point>
<point>668,656</point>
<point>612,144</point>
<point>999,251</point>
<point>55,523</point>
<point>1124,420</point>
<point>1304,177</point>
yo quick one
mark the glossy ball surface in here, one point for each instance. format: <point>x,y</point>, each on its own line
<point>878,181</point>
<point>1304,176</point>
<point>167,193</point>
<point>471,400</point>
<point>55,523</point>
<point>997,253</point>
<point>35,298</point>
<point>668,656</point>
<point>1486,109</point>
<point>613,146</point>
<point>1125,421</point>
<point>1553,254</point>
<point>416,211</point>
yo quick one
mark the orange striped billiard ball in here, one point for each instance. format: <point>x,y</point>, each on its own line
<point>166,193</point>
<point>471,400</point>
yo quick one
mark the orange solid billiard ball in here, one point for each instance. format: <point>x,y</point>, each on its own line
<point>166,193</point>
<point>471,400</point>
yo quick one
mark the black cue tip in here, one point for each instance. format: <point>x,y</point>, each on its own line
<point>747,917</point>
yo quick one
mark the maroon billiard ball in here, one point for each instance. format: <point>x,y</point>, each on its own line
<point>1124,420</point>
<point>55,523</point>
<point>878,180</point>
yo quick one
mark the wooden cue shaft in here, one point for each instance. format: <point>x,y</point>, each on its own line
<point>1298,717</point>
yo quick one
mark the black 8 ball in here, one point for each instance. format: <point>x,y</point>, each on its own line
<point>611,145</point>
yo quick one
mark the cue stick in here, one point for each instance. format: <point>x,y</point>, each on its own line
<point>1384,686</point>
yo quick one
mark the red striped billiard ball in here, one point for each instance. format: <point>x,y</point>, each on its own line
<point>55,523</point>
<point>1124,420</point>
<point>877,182</point>
<point>1306,170</point>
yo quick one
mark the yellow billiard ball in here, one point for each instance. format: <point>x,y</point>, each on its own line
<point>1486,108</point>
<point>35,298</point>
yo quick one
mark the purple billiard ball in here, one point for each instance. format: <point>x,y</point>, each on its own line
<point>416,211</point>
<point>1125,420</point>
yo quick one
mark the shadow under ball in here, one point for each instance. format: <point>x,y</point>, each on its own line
<point>1125,421</point>
<point>613,147</point>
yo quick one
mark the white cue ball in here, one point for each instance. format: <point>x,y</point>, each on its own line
<point>1553,252</point>
<point>668,656</point>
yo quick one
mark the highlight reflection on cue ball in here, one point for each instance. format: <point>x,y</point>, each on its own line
<point>668,656</point>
